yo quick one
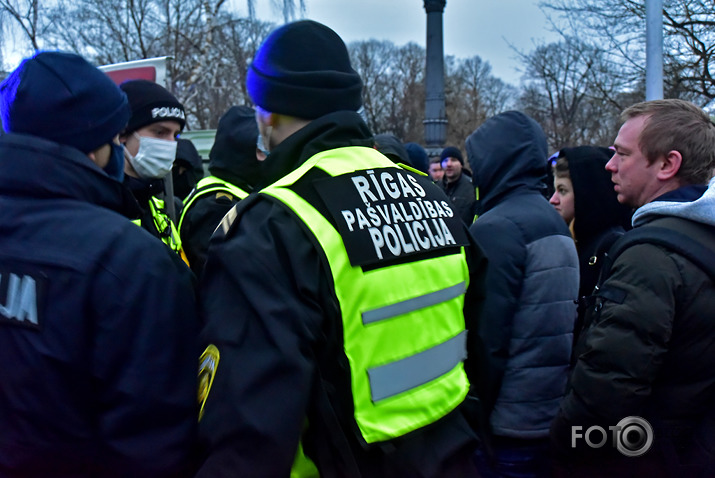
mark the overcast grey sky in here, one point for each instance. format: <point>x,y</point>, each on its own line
<point>471,27</point>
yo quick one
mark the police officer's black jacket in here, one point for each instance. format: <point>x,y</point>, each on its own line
<point>271,312</point>
<point>203,215</point>
<point>143,191</point>
<point>97,325</point>
<point>200,222</point>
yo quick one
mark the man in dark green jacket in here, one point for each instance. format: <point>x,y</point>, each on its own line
<point>645,356</point>
<point>457,184</point>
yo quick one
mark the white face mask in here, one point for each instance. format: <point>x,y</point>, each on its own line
<point>154,158</point>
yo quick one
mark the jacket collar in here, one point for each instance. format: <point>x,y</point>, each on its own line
<point>35,167</point>
<point>688,202</point>
<point>334,130</point>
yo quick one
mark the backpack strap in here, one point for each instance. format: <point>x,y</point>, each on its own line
<point>670,238</point>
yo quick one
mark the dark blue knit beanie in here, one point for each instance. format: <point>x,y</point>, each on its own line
<point>452,152</point>
<point>303,69</point>
<point>418,156</point>
<point>62,97</point>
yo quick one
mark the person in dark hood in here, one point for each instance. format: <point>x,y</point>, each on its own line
<point>584,197</point>
<point>187,168</point>
<point>528,317</point>
<point>234,165</point>
<point>457,184</point>
<point>390,146</point>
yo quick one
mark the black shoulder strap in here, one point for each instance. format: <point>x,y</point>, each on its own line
<point>672,239</point>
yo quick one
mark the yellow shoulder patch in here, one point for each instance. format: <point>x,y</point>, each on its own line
<point>208,363</point>
<point>222,194</point>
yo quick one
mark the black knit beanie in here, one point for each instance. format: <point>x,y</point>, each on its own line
<point>63,98</point>
<point>151,103</point>
<point>452,152</point>
<point>303,70</point>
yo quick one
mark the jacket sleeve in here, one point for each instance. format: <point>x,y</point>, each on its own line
<point>144,359</point>
<point>198,225</point>
<point>502,244</point>
<point>624,345</point>
<point>261,303</point>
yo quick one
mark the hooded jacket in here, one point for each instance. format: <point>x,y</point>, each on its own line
<point>100,375</point>
<point>600,218</point>
<point>647,348</point>
<point>532,279</point>
<point>187,169</point>
<point>268,300</point>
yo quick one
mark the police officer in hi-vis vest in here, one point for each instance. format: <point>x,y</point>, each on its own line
<point>149,150</point>
<point>234,167</point>
<point>334,297</point>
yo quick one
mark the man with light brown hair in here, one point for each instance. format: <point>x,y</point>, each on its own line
<point>435,169</point>
<point>644,370</point>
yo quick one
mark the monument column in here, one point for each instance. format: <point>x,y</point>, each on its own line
<point>435,121</point>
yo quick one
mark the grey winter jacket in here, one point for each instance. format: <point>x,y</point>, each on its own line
<point>532,279</point>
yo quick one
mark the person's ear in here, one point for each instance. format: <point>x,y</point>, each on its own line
<point>92,155</point>
<point>264,117</point>
<point>670,165</point>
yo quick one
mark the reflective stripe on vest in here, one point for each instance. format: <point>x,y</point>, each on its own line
<point>165,227</point>
<point>405,339</point>
<point>208,185</point>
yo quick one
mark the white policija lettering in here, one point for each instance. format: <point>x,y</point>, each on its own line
<point>386,184</point>
<point>404,227</point>
<point>167,112</point>
<point>21,302</point>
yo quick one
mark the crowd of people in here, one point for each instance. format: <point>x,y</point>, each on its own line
<point>331,302</point>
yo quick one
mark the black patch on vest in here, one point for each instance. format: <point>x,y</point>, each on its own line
<point>22,297</point>
<point>390,214</point>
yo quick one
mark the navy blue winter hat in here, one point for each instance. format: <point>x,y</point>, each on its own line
<point>452,152</point>
<point>62,97</point>
<point>418,156</point>
<point>303,70</point>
